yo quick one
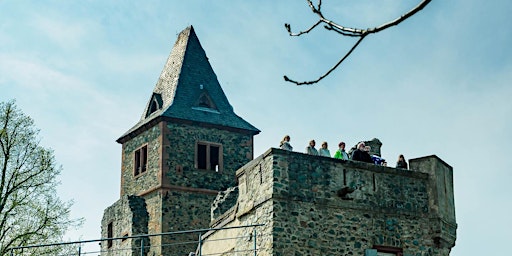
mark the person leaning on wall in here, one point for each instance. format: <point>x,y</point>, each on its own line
<point>324,151</point>
<point>401,163</point>
<point>285,143</point>
<point>340,153</point>
<point>310,149</point>
<point>361,153</point>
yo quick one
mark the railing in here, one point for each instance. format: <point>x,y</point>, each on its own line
<point>76,247</point>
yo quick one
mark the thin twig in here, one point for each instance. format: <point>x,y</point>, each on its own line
<point>330,70</point>
<point>287,26</point>
<point>350,32</point>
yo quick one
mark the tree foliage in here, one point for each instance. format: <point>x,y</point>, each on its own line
<point>346,31</point>
<point>30,211</point>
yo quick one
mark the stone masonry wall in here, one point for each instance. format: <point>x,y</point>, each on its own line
<point>178,195</point>
<point>312,205</point>
<point>254,206</point>
<point>134,185</point>
<point>190,209</point>
<point>154,226</point>
<point>384,206</point>
<point>237,150</point>
<point>184,211</point>
<point>128,217</point>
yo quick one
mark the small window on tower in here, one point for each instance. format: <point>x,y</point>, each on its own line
<point>110,234</point>
<point>141,160</point>
<point>204,102</point>
<point>154,106</point>
<point>155,103</point>
<point>208,156</point>
<point>201,156</point>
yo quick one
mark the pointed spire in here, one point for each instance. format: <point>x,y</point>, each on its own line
<point>188,89</point>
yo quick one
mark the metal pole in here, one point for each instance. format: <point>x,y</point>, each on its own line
<point>141,246</point>
<point>200,245</point>
<point>254,241</point>
<point>79,250</point>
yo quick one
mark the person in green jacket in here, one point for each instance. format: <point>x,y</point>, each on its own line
<point>340,153</point>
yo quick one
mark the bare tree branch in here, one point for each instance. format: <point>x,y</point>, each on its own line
<point>349,32</point>
<point>398,20</point>
<point>335,29</point>
<point>330,70</point>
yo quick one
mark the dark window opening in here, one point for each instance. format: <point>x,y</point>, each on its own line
<point>154,106</point>
<point>110,234</point>
<point>208,156</point>
<point>141,160</point>
<point>155,103</point>
<point>201,156</point>
<point>214,158</point>
<point>204,102</point>
<point>388,250</point>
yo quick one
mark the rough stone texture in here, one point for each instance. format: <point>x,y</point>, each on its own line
<point>223,202</point>
<point>154,208</point>
<point>130,184</point>
<point>129,218</point>
<point>179,196</point>
<point>297,197</point>
<point>184,211</point>
<point>237,150</point>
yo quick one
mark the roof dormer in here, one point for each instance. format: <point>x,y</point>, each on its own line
<point>155,104</point>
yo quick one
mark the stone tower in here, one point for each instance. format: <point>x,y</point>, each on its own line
<point>186,148</point>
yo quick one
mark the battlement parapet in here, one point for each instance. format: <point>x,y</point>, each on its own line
<point>345,206</point>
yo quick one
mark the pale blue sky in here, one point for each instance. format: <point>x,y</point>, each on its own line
<point>440,83</point>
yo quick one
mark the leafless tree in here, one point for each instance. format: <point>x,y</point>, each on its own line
<point>30,211</point>
<point>348,32</point>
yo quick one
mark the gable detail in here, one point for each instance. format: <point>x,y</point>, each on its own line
<point>155,103</point>
<point>205,101</point>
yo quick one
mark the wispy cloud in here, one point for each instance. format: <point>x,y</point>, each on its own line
<point>66,34</point>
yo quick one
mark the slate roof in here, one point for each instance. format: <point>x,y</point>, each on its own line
<point>188,90</point>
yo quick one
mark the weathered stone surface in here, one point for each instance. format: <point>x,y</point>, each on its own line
<point>295,196</point>
<point>128,217</point>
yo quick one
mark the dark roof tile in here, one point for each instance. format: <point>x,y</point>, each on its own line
<point>188,75</point>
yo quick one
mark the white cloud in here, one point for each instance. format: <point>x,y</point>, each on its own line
<point>67,34</point>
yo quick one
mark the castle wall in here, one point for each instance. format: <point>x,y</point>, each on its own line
<point>181,138</point>
<point>189,191</point>
<point>134,185</point>
<point>154,208</point>
<point>312,205</point>
<point>127,217</point>
<point>178,195</point>
<point>184,211</point>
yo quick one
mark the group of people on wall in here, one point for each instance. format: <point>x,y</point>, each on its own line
<point>362,152</point>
